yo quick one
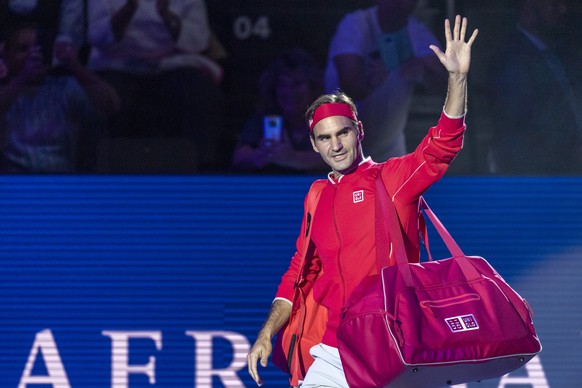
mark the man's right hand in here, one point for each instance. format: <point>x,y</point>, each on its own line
<point>261,350</point>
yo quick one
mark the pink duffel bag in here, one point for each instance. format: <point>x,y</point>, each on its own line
<point>435,323</point>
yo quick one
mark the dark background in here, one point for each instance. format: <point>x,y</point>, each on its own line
<point>311,24</point>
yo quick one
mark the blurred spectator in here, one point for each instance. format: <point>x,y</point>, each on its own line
<point>378,55</point>
<point>49,116</point>
<point>62,20</point>
<point>276,138</point>
<point>155,54</point>
<point>535,95</point>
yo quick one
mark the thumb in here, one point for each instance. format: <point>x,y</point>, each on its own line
<point>264,360</point>
<point>436,50</point>
<point>440,55</point>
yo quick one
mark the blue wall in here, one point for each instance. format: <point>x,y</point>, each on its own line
<point>188,266</point>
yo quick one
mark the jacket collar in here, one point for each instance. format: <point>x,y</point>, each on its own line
<point>333,180</point>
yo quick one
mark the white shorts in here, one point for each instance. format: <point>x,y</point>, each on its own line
<point>326,370</point>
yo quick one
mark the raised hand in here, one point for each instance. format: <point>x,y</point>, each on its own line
<point>457,56</point>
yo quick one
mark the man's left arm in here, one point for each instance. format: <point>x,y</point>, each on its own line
<point>428,163</point>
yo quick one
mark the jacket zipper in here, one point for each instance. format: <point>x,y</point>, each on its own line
<point>339,267</point>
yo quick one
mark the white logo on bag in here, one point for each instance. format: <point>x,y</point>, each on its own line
<point>359,196</point>
<point>462,323</point>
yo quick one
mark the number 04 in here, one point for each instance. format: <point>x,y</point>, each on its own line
<point>244,27</point>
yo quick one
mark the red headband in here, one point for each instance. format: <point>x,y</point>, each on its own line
<point>332,109</point>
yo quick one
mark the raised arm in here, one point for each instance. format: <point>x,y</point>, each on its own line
<point>456,59</point>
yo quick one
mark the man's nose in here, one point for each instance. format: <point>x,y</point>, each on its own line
<point>336,144</point>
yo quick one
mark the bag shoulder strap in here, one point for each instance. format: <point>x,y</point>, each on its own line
<point>311,205</point>
<point>308,250</point>
<point>388,233</point>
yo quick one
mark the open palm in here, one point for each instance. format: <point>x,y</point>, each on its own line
<point>457,56</point>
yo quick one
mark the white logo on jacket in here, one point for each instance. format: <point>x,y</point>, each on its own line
<point>358,196</point>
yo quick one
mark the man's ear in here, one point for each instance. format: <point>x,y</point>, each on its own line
<point>360,131</point>
<point>313,143</point>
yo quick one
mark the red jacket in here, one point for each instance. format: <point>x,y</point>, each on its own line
<point>343,227</point>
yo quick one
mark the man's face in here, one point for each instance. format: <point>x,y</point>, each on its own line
<point>338,140</point>
<point>17,49</point>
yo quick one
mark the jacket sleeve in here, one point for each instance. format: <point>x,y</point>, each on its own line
<point>409,176</point>
<point>286,289</point>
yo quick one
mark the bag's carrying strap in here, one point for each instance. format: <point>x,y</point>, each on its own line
<point>388,233</point>
<point>468,269</point>
<point>308,250</point>
<point>386,211</point>
<point>440,228</point>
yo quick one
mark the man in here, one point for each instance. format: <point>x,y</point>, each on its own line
<point>535,94</point>
<point>342,228</point>
<point>56,19</point>
<point>50,117</point>
<point>378,56</point>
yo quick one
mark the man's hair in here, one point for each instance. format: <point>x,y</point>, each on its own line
<point>337,97</point>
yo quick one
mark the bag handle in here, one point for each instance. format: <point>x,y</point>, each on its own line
<point>468,269</point>
<point>451,244</point>
<point>387,213</point>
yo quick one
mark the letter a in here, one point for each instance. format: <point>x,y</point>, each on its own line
<point>45,343</point>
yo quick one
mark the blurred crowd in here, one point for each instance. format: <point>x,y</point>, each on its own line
<point>159,86</point>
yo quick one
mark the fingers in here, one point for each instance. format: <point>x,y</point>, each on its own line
<point>456,31</point>
<point>252,366</point>
<point>459,30</point>
<point>252,359</point>
<point>463,29</point>
<point>472,38</point>
<point>448,35</point>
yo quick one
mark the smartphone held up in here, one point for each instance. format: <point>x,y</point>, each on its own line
<point>272,129</point>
